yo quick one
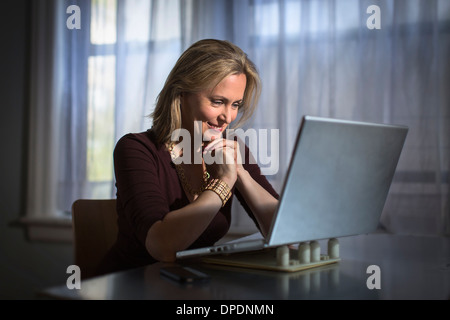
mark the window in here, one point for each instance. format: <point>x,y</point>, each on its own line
<point>101,87</point>
<point>123,35</point>
<point>121,38</point>
<point>315,57</point>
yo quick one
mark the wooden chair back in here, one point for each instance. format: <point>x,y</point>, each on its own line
<point>95,231</point>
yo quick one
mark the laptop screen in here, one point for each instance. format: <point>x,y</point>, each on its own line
<point>338,180</point>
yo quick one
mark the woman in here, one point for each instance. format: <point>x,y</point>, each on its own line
<point>166,205</point>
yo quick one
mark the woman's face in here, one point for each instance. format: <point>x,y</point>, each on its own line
<point>216,108</point>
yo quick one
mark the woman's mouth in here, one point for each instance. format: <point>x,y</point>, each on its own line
<point>214,127</point>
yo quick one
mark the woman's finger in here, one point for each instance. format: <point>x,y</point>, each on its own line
<point>222,153</point>
<point>219,143</point>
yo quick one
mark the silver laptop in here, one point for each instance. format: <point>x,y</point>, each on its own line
<point>336,185</point>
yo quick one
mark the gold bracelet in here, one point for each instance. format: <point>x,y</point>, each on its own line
<point>221,188</point>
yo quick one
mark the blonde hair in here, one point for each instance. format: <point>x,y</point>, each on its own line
<point>202,66</point>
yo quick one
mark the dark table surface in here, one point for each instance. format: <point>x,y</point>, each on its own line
<point>410,267</point>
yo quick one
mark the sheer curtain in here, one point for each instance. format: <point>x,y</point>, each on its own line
<point>315,57</point>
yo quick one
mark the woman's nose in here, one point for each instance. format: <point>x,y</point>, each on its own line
<point>227,114</point>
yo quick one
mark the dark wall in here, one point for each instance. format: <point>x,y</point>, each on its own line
<point>25,267</point>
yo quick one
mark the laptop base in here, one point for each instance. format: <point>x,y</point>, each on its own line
<point>268,259</point>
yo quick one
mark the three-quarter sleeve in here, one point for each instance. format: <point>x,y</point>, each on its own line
<point>141,196</point>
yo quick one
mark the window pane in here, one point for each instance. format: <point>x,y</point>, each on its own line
<point>103,21</point>
<point>167,26</point>
<point>349,16</point>
<point>137,20</point>
<point>144,21</point>
<point>292,17</point>
<point>267,19</point>
<point>100,144</point>
<point>443,10</point>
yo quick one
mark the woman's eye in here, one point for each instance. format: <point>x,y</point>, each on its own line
<point>217,102</point>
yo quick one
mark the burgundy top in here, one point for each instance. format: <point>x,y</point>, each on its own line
<point>147,189</point>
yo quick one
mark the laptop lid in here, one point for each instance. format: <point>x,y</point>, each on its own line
<point>337,181</point>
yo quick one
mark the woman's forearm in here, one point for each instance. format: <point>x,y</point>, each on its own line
<point>260,201</point>
<point>180,228</point>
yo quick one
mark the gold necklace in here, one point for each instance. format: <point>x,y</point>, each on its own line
<point>182,176</point>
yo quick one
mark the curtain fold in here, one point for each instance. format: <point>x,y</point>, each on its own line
<point>315,57</point>
<point>43,117</point>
